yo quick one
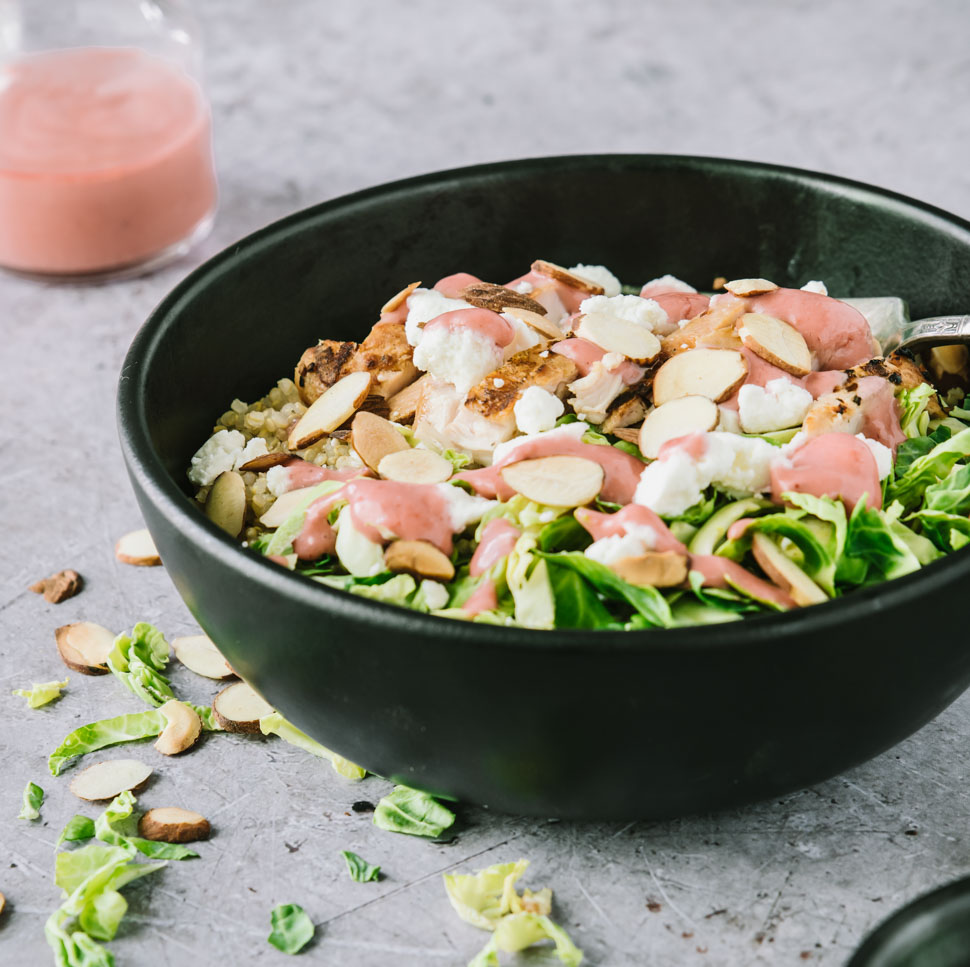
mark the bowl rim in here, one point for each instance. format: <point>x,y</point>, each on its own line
<point>754,633</point>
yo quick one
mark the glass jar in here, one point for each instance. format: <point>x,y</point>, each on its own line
<point>105,137</point>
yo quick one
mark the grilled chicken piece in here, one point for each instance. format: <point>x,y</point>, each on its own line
<point>901,370</point>
<point>321,366</point>
<point>386,355</point>
<point>713,329</point>
<point>402,405</point>
<point>628,410</point>
<point>436,408</point>
<point>595,392</point>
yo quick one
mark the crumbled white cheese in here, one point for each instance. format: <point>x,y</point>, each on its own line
<point>537,410</point>
<point>255,448</point>
<point>738,465</point>
<point>777,405</point>
<point>815,286</point>
<point>218,454</point>
<point>425,305</point>
<point>435,594</point>
<point>599,275</point>
<point>613,360</point>
<point>594,392</point>
<point>572,431</point>
<point>460,356</point>
<point>643,312</point>
<point>669,283</point>
<point>278,481</point>
<point>498,382</point>
<point>463,508</point>
<point>727,420</point>
<point>523,288</point>
<point>636,540</point>
<point>882,453</point>
<point>544,354</point>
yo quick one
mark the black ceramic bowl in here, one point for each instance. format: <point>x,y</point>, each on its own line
<point>572,724</point>
<point>932,931</point>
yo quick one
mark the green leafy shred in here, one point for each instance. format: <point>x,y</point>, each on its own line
<point>275,724</point>
<point>291,929</point>
<point>138,660</point>
<point>77,829</point>
<point>99,735</point>
<point>359,869</point>
<point>406,810</point>
<point>33,800</point>
<point>40,694</point>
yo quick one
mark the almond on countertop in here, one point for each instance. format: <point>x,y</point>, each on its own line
<point>225,504</point>
<point>617,335</point>
<point>420,559</point>
<point>336,405</point>
<point>238,708</point>
<point>748,287</point>
<point>137,548</point>
<point>373,438</point>
<point>656,569</point>
<point>3,903</point>
<point>84,647</point>
<point>183,729</point>
<point>59,587</point>
<point>199,654</point>
<point>415,465</point>
<point>555,481</point>
<point>714,373</point>
<point>776,342</point>
<point>676,418</point>
<point>557,272</point>
<point>396,301</point>
<point>108,779</point>
<point>171,824</point>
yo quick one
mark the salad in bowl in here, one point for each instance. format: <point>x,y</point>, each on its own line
<point>563,451</point>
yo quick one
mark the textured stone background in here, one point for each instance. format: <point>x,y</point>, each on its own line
<point>313,98</point>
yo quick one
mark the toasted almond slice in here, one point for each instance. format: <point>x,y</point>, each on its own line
<point>3,902</point>
<point>784,572</point>
<point>105,780</point>
<point>746,287</point>
<point>617,335</point>
<point>776,342</point>
<point>396,301</point>
<point>283,506</point>
<point>225,505</point>
<point>183,729</point>
<point>538,322</point>
<point>84,647</point>
<point>676,418</point>
<point>59,587</point>
<point>199,654</point>
<point>555,481</point>
<point>374,438</point>
<point>415,465</point>
<point>719,282</point>
<point>656,569</point>
<point>948,360</point>
<point>714,373</point>
<point>402,405</point>
<point>138,548</point>
<point>419,558</point>
<point>629,434</point>
<point>238,708</point>
<point>264,461</point>
<point>557,272</point>
<point>170,824</point>
<point>327,413</point>
<point>487,295</point>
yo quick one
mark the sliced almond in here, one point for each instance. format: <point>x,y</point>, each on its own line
<point>557,272</point>
<point>629,434</point>
<point>138,548</point>
<point>183,729</point>
<point>714,325</point>
<point>105,780</point>
<point>538,322</point>
<point>486,295</point>
<point>199,654</point>
<point>656,569</point>
<point>84,647</point>
<point>415,466</point>
<point>59,587</point>
<point>238,708</point>
<point>396,301</point>
<point>3,902</point>
<point>336,405</point>
<point>283,506</point>
<point>374,438</point>
<point>170,824</point>
<point>714,373</point>
<point>948,360</point>
<point>676,418</point>
<point>225,504</point>
<point>776,342</point>
<point>747,287</point>
<point>555,481</point>
<point>784,572</point>
<point>264,461</point>
<point>617,335</point>
<point>419,558</point>
<point>402,405</point>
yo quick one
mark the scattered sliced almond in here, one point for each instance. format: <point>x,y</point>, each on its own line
<point>415,466</point>
<point>374,438</point>
<point>396,301</point>
<point>199,654</point>
<point>676,418</point>
<point>555,481</point>
<point>325,414</point>
<point>714,373</point>
<point>419,558</point>
<point>402,405</point>
<point>170,824</point>
<point>777,342</point>
<point>718,283</point>
<point>748,287</point>
<point>264,461</point>
<point>3,902</point>
<point>225,504</point>
<point>283,506</point>
<point>84,647</point>
<point>105,780</point>
<point>238,708</point>
<point>138,548</point>
<point>540,323</point>
<point>784,572</point>
<point>617,335</point>
<point>485,295</point>
<point>656,569</point>
<point>557,272</point>
<point>58,587</point>
<point>183,729</point>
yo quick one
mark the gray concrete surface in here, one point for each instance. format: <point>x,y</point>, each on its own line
<point>313,99</point>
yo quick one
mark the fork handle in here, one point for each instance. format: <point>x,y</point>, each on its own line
<point>936,331</point>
